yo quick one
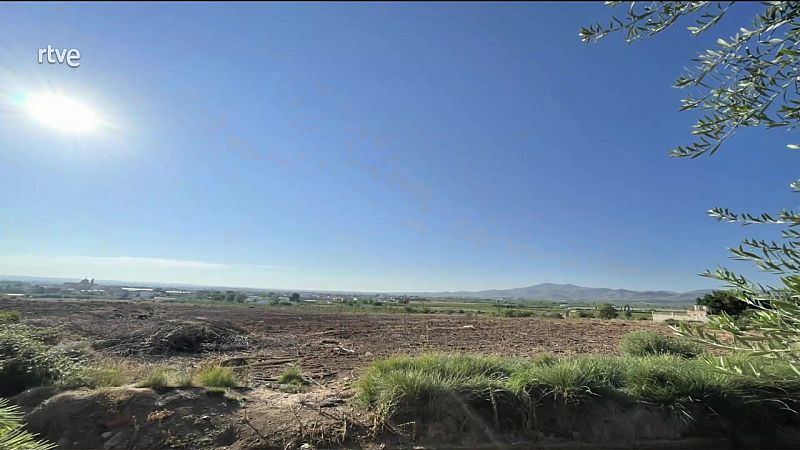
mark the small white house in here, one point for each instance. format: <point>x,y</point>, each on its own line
<point>696,314</point>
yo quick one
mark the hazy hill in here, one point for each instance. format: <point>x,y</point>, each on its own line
<point>573,293</point>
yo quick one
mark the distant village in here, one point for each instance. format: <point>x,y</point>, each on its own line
<point>88,289</point>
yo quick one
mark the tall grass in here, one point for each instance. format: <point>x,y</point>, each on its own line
<point>569,378</point>
<point>430,383</point>
<point>216,376</point>
<point>156,378</point>
<point>112,372</point>
<point>105,377</point>
<point>435,384</point>
<point>183,379</point>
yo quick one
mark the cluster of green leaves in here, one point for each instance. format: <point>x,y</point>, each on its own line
<point>12,434</point>
<point>27,361</point>
<point>718,302</point>
<point>653,18</point>
<point>606,311</point>
<point>750,79</point>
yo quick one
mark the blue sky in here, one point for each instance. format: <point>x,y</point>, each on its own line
<point>366,147</point>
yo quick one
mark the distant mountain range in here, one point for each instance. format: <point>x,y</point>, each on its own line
<point>567,293</point>
<point>573,293</point>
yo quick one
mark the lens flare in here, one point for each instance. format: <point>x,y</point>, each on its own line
<point>62,113</point>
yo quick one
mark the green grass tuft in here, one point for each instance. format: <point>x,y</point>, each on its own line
<point>292,379</point>
<point>105,377</point>
<point>292,375</point>
<point>648,343</point>
<point>216,376</point>
<point>156,378</point>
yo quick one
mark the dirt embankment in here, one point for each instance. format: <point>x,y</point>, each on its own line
<point>196,418</point>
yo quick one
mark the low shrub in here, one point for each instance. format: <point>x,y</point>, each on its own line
<point>9,316</point>
<point>606,311</point>
<point>26,362</point>
<point>647,343</point>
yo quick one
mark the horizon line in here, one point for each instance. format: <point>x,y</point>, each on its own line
<point>5,277</point>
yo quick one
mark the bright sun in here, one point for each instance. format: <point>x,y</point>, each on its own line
<point>62,113</point>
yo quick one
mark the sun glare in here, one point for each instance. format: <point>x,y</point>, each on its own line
<point>62,113</point>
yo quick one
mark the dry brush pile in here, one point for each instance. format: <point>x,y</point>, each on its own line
<point>146,336</point>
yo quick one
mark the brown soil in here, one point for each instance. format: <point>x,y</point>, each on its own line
<point>334,346</point>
